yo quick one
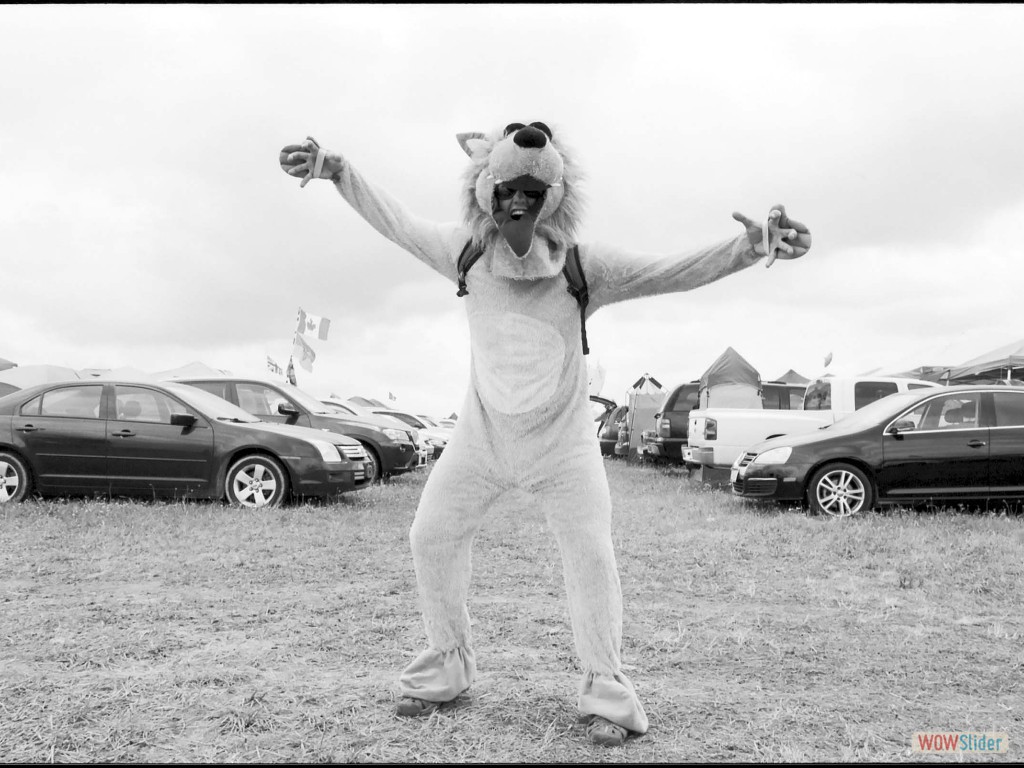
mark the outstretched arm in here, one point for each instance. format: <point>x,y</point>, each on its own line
<point>617,275</point>
<point>435,244</point>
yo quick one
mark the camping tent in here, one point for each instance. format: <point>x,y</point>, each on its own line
<point>125,373</point>
<point>367,402</point>
<point>730,382</point>
<point>192,370</point>
<point>644,399</point>
<point>792,377</point>
<point>925,372</point>
<point>1002,363</point>
<point>29,375</point>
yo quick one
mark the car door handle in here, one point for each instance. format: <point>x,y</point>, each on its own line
<point>976,443</point>
<point>28,428</point>
<point>123,433</point>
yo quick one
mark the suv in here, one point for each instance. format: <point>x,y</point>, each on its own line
<point>668,438</point>
<point>389,451</point>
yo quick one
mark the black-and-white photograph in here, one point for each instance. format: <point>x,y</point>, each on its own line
<point>511,383</point>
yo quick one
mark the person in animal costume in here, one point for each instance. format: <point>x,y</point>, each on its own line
<point>526,423</point>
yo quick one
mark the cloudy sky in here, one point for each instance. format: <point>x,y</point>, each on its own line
<point>145,222</point>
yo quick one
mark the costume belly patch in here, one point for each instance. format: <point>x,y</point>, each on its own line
<point>517,360</point>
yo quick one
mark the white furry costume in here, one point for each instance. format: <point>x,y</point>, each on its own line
<point>526,421</point>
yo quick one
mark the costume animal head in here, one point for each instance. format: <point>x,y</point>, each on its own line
<point>529,239</point>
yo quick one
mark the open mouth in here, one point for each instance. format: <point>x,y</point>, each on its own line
<point>518,222</point>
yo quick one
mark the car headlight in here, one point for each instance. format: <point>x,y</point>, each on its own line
<point>328,451</point>
<point>397,434</point>
<point>773,456</point>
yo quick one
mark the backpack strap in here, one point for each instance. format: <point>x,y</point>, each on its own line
<point>467,259</point>
<point>573,271</point>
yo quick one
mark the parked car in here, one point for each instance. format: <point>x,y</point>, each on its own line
<point>423,450</point>
<point>608,428</point>
<point>718,436</point>
<point>389,451</point>
<point>436,438</point>
<point>436,423</point>
<point>172,440</point>
<point>603,409</point>
<point>621,432</point>
<point>960,444</point>
<point>668,438</point>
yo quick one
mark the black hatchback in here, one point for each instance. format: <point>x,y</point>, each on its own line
<point>959,444</point>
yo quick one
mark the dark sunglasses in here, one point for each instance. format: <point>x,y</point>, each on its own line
<point>505,192</point>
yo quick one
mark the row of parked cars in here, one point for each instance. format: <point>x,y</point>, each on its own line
<point>918,444</point>
<point>250,441</point>
<point>666,440</point>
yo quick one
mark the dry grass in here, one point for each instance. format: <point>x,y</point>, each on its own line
<point>198,633</point>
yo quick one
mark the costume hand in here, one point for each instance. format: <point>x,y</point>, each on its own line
<point>787,238</point>
<point>301,160</point>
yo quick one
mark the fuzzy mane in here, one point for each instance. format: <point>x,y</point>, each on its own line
<point>559,229</point>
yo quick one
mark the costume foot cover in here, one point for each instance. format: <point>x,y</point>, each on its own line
<point>409,706</point>
<point>606,733</point>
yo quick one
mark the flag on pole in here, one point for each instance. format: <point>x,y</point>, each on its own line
<point>828,359</point>
<point>272,365</point>
<point>313,325</point>
<point>304,352</point>
<point>391,397</point>
<point>291,373</point>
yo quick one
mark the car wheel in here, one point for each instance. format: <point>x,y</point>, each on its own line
<point>840,490</point>
<point>371,467</point>
<point>15,480</point>
<point>255,482</point>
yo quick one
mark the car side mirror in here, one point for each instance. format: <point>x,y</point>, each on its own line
<point>287,410</point>
<point>903,425</point>
<point>185,420</point>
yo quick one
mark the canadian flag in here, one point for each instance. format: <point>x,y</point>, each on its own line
<point>313,325</point>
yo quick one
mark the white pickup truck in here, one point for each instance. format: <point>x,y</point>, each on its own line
<point>716,436</point>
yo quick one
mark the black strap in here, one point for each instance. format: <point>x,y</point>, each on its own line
<point>573,271</point>
<point>467,259</point>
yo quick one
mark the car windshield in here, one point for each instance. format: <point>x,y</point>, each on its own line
<point>882,409</point>
<point>307,401</point>
<point>411,421</point>
<point>341,409</point>
<point>210,405</point>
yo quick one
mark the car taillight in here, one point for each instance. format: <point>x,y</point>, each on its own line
<point>710,429</point>
<point>663,426</point>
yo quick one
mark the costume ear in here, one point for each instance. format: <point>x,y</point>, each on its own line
<point>473,142</point>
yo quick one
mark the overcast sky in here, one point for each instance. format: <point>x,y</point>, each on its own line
<point>145,222</point>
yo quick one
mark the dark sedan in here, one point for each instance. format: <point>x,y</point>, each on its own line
<point>960,444</point>
<point>389,451</point>
<point>124,438</point>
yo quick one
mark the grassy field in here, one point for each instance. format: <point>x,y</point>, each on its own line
<point>136,632</point>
